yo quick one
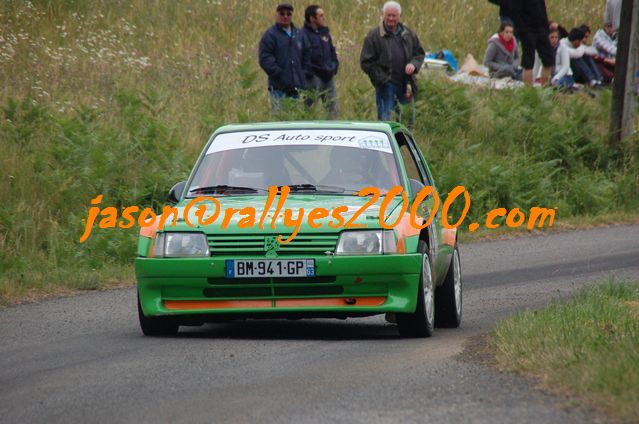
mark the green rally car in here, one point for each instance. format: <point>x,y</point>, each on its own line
<point>271,224</point>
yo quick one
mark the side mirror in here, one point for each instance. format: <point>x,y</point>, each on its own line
<point>176,192</point>
<point>415,187</point>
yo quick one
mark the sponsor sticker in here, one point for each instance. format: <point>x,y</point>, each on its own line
<point>370,140</point>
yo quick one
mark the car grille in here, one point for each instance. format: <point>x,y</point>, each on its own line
<point>254,244</point>
<point>254,292</point>
<point>251,288</point>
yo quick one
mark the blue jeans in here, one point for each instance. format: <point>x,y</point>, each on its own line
<point>565,82</point>
<point>326,91</point>
<point>585,70</point>
<point>387,96</point>
<point>276,97</point>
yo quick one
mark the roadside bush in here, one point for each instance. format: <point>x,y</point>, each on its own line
<point>55,164</point>
<point>525,148</point>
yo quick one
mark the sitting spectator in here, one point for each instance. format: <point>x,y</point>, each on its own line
<point>588,49</point>
<point>554,26</point>
<point>605,42</point>
<point>583,66</point>
<point>561,76</point>
<point>502,56</point>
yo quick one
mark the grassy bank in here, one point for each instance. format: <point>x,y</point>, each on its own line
<point>587,346</point>
<point>117,98</point>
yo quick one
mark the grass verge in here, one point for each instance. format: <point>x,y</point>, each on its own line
<point>587,346</point>
<point>63,282</point>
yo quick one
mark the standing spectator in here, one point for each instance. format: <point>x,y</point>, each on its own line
<point>504,10</point>
<point>606,44</point>
<point>502,57</point>
<point>283,58</point>
<point>391,56</point>
<point>612,14</point>
<point>531,25</point>
<point>323,59</point>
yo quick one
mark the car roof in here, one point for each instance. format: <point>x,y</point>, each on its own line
<point>343,125</point>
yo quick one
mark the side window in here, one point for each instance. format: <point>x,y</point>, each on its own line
<point>410,162</point>
<point>422,167</point>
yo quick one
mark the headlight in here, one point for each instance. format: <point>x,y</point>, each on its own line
<point>180,245</point>
<point>366,243</point>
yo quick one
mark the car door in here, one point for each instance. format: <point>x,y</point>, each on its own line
<point>444,249</point>
<point>415,169</point>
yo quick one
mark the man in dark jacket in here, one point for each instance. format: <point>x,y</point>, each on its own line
<point>283,57</point>
<point>391,56</point>
<point>323,59</point>
<point>531,26</point>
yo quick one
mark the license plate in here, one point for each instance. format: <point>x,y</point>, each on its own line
<point>270,268</point>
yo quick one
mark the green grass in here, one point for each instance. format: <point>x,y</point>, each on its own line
<point>118,97</point>
<point>587,346</point>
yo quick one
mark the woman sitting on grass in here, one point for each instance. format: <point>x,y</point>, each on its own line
<point>502,55</point>
<point>561,74</point>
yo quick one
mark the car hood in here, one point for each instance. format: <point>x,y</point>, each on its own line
<point>350,204</point>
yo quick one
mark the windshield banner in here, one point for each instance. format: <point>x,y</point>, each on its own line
<point>372,140</point>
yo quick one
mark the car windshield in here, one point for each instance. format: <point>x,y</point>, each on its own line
<point>322,162</point>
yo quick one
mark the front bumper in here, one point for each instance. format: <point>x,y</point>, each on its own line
<point>348,285</point>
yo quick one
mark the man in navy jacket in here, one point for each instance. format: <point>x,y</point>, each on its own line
<point>323,59</point>
<point>283,57</point>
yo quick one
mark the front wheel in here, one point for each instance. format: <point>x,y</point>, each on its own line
<point>157,326</point>
<point>421,322</point>
<point>448,297</point>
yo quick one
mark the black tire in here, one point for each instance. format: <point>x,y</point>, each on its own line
<point>420,323</point>
<point>448,301</point>
<point>157,326</point>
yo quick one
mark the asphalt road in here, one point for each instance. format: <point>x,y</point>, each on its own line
<point>83,359</point>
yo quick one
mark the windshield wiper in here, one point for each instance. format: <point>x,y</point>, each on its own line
<point>310,188</point>
<point>224,188</point>
<point>295,188</point>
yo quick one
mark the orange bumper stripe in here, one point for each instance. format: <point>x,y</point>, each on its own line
<point>283,303</point>
<point>334,301</point>
<point>216,304</point>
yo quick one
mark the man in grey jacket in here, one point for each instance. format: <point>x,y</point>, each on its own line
<point>391,56</point>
